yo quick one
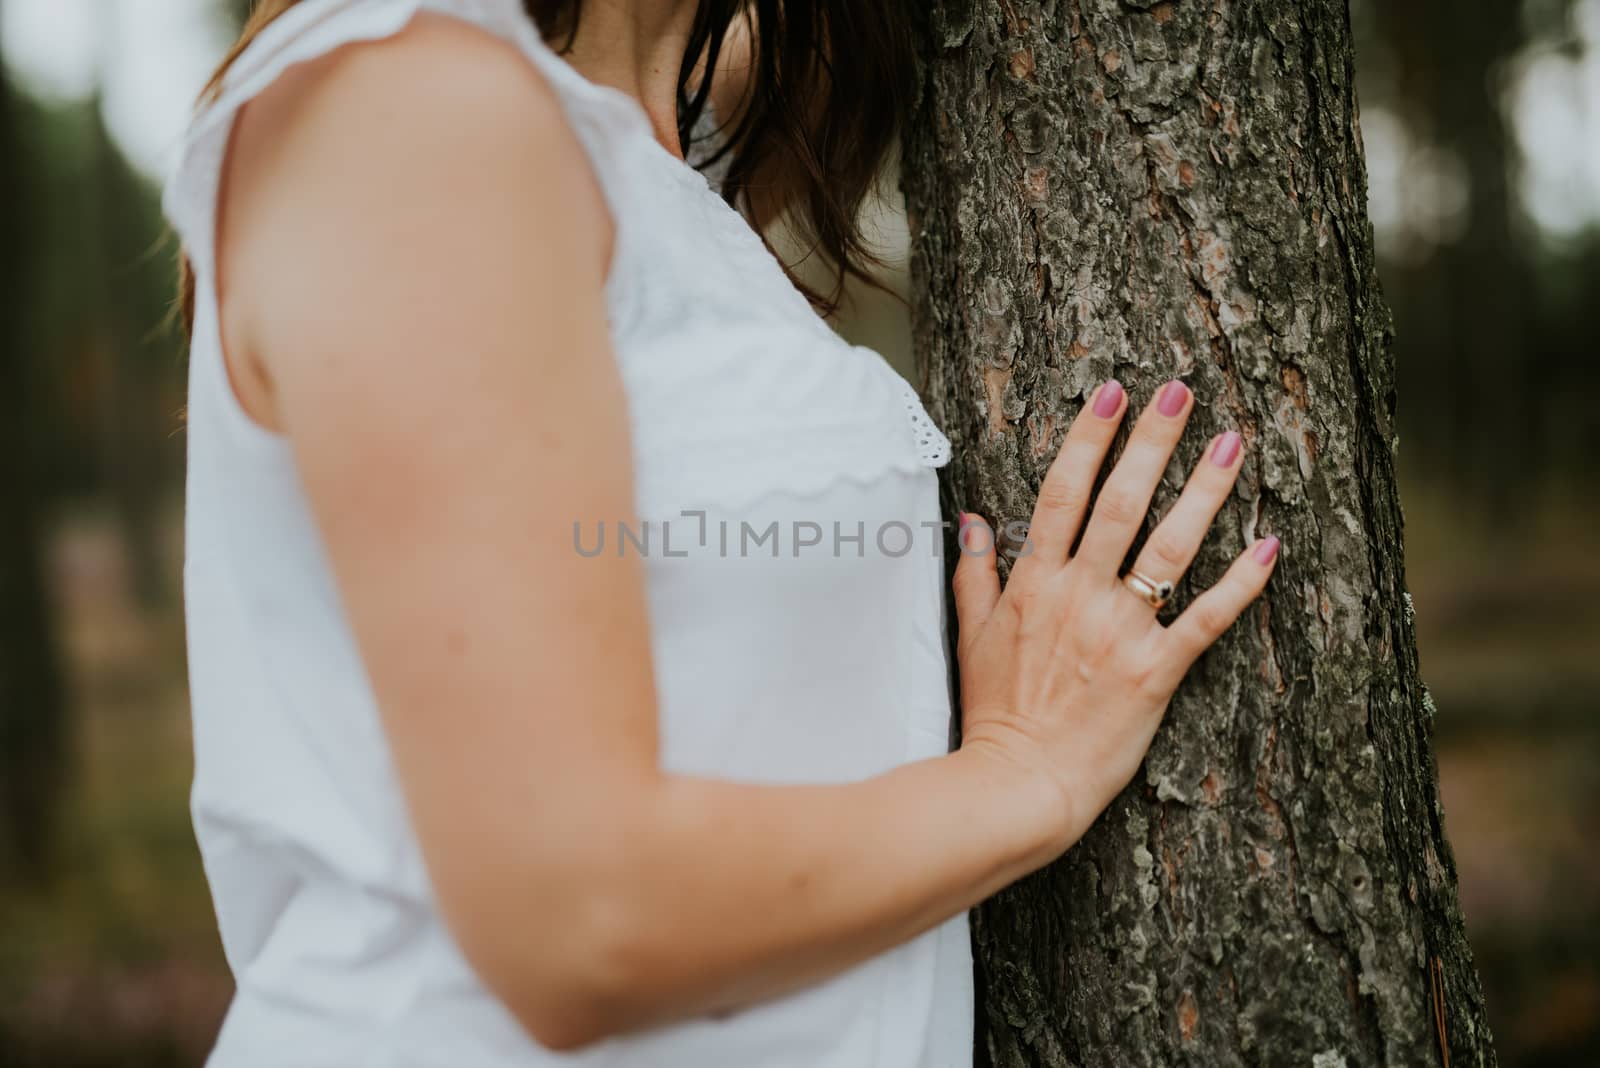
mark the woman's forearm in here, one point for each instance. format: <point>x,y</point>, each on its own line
<point>719,894</point>
<point>773,886</point>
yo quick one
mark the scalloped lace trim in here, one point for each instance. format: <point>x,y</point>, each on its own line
<point>933,448</point>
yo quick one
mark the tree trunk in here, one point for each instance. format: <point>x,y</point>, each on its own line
<point>1140,189</point>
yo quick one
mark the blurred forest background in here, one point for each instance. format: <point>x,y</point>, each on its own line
<point>1482,124</point>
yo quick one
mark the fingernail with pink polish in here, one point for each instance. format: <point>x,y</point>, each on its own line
<point>1174,395</point>
<point>1265,550</point>
<point>1226,450</point>
<point>1109,399</point>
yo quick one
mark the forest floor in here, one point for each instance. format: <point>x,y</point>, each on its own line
<point>115,961</point>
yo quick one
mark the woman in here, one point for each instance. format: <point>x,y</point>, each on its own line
<point>564,601</point>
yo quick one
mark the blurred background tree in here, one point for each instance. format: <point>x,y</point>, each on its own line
<point>1482,125</point>
<point>32,703</point>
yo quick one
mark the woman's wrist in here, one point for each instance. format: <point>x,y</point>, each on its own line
<point>1033,809</point>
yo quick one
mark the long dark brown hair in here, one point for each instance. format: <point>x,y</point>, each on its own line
<point>827,95</point>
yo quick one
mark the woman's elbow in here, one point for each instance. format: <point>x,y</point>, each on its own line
<point>563,1028</point>
<point>572,978</point>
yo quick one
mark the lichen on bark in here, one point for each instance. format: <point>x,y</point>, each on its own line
<point>1142,189</point>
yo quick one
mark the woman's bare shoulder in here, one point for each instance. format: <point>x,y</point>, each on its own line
<point>441,117</point>
<point>435,68</point>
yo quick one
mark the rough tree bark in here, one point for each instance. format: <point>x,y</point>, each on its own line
<point>1143,189</point>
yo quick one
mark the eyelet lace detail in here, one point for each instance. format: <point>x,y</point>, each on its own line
<point>933,448</point>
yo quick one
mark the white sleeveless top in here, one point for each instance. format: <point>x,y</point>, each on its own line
<point>789,511</point>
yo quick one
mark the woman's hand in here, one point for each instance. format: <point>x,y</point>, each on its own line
<point>1065,675</point>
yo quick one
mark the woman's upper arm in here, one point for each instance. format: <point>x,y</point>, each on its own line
<point>423,249</point>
